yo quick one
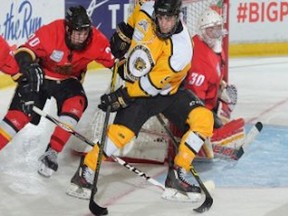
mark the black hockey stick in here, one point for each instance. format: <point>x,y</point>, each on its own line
<point>206,205</point>
<point>93,206</point>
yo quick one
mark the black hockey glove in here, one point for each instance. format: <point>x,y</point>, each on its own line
<point>29,84</point>
<point>117,100</point>
<point>32,78</point>
<point>121,39</point>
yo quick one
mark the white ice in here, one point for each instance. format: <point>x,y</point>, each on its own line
<point>263,95</point>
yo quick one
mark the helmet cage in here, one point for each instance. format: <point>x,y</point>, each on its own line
<point>211,30</point>
<point>77,20</point>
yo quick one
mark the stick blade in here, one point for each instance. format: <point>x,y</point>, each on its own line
<point>96,209</point>
<point>206,205</point>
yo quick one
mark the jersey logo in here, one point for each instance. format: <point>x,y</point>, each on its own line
<point>140,61</point>
<point>57,55</point>
<point>139,64</point>
<point>143,24</point>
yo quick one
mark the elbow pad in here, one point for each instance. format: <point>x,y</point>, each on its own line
<point>24,57</point>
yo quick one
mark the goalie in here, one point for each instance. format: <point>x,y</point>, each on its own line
<point>205,79</point>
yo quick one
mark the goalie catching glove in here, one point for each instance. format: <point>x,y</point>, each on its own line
<point>229,94</point>
<point>227,101</point>
<point>117,100</point>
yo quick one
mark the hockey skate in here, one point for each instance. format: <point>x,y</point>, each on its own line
<point>82,182</point>
<point>48,162</point>
<point>178,188</point>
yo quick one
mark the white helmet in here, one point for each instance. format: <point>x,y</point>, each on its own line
<point>213,37</point>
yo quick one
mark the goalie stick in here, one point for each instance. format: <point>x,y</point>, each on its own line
<point>206,205</point>
<point>236,154</point>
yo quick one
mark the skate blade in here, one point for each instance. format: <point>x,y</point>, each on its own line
<point>43,170</point>
<point>78,192</point>
<point>175,195</point>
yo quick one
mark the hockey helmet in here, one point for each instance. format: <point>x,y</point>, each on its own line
<point>167,8</point>
<point>210,26</point>
<point>76,19</point>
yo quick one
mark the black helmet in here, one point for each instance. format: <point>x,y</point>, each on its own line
<point>168,8</point>
<point>76,19</point>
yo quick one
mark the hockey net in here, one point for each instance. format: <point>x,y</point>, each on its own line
<point>152,143</point>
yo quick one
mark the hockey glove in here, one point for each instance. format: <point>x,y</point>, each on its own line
<point>31,79</point>
<point>27,106</point>
<point>117,100</point>
<point>121,40</point>
<point>229,95</point>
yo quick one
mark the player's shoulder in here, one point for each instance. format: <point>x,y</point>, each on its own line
<point>147,7</point>
<point>52,28</point>
<point>182,51</point>
<point>3,45</point>
<point>5,49</point>
<point>98,37</point>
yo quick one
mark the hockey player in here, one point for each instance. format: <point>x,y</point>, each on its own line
<point>8,64</point>
<point>53,63</point>
<point>158,51</point>
<point>205,79</point>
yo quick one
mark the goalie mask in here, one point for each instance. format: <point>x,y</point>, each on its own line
<point>166,17</point>
<point>78,28</point>
<point>211,29</point>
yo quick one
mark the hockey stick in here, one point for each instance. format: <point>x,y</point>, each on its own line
<point>91,143</point>
<point>93,206</point>
<point>236,154</point>
<point>206,205</point>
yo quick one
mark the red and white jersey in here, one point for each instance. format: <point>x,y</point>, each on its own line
<point>8,64</point>
<point>206,73</point>
<point>57,61</point>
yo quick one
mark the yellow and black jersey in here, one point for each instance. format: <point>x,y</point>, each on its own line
<point>155,66</point>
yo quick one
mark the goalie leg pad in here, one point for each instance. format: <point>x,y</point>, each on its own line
<point>231,134</point>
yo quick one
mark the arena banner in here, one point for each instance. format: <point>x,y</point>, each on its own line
<point>258,28</point>
<point>105,14</point>
<point>18,19</point>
